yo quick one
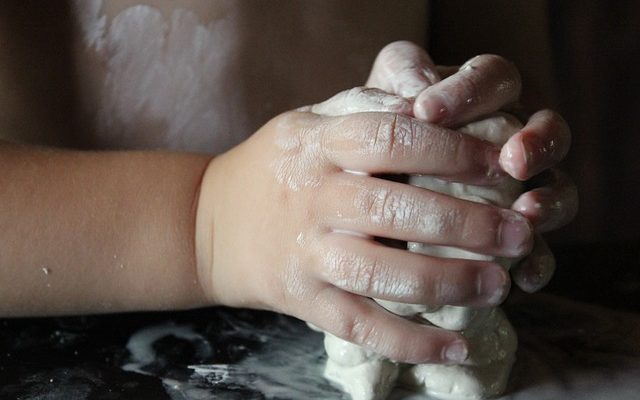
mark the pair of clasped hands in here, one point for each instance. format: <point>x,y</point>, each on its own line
<point>285,224</point>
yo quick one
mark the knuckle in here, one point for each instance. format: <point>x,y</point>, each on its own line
<point>391,209</point>
<point>357,92</point>
<point>378,206</point>
<point>467,85</point>
<point>395,49</point>
<point>548,114</point>
<point>388,209</point>
<point>351,272</point>
<point>282,121</point>
<point>293,123</point>
<point>449,146</point>
<point>498,63</point>
<point>441,289</point>
<point>506,71</point>
<point>289,118</point>
<point>394,136</point>
<point>368,200</point>
<point>358,330</point>
<point>409,287</point>
<point>456,146</point>
<point>326,142</point>
<point>374,277</point>
<point>494,61</point>
<point>367,274</point>
<point>386,64</point>
<point>468,224</point>
<point>388,52</point>
<point>293,288</point>
<point>383,136</point>
<point>377,278</point>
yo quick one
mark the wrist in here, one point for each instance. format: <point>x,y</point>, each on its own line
<point>204,206</point>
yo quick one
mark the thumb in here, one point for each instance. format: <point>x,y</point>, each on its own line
<point>404,69</point>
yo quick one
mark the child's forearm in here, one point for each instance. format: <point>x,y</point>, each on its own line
<point>85,232</point>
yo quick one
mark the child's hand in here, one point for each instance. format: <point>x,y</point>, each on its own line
<point>281,225</point>
<point>483,85</point>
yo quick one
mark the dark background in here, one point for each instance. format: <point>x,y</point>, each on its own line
<point>581,58</point>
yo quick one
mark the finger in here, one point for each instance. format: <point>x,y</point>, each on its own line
<point>361,99</point>
<point>540,144</point>
<point>369,269</point>
<point>403,68</point>
<point>393,143</point>
<point>483,85</point>
<point>361,321</point>
<point>382,208</point>
<point>550,207</point>
<point>535,271</point>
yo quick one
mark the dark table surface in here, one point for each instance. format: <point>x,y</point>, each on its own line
<point>580,339</point>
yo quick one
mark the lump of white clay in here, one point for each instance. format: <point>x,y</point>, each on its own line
<point>361,373</point>
<point>485,374</point>
<point>367,376</point>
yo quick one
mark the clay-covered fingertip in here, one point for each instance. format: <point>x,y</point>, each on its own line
<point>429,108</point>
<point>456,352</point>
<point>535,274</point>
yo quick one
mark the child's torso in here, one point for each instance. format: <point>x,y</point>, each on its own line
<point>203,75</point>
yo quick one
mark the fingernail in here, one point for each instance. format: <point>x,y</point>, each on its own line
<point>456,352</point>
<point>540,275</point>
<point>509,162</point>
<point>492,284</point>
<point>515,234</point>
<point>535,206</point>
<point>536,153</point>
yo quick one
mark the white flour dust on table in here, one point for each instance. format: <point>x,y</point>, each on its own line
<point>251,355</point>
<point>567,350</point>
